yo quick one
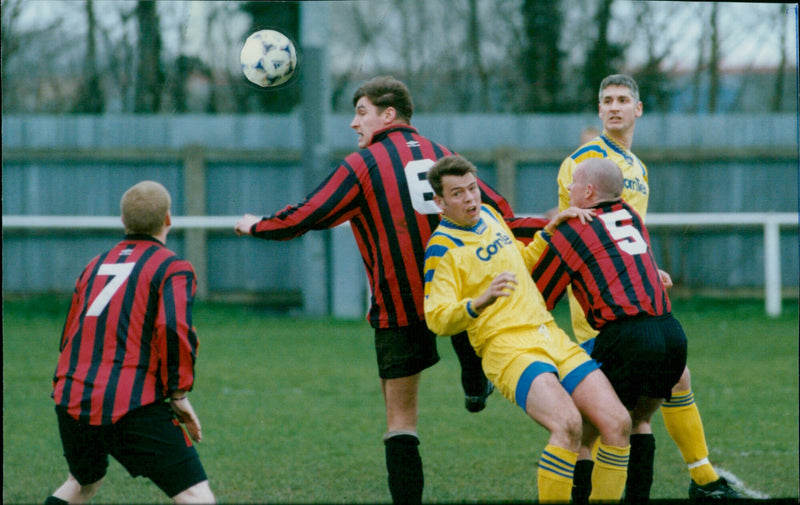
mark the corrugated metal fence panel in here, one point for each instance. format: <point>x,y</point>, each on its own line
<point>237,263</point>
<point>463,132</point>
<point>60,187</point>
<point>38,261</point>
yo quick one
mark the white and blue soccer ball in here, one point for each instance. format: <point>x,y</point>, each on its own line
<point>268,58</point>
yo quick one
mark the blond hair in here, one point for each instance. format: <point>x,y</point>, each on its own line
<point>144,208</point>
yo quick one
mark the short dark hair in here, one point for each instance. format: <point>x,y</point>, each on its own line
<point>619,80</point>
<point>386,91</point>
<point>449,165</point>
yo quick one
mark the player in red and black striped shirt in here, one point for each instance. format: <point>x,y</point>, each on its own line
<point>128,345</point>
<point>383,191</point>
<point>609,263</point>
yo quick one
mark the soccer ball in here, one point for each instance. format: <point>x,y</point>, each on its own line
<point>268,58</point>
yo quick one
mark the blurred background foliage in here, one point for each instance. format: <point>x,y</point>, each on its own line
<point>483,56</point>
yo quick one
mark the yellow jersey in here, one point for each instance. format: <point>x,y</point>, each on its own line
<point>636,191</point>
<point>460,264</point>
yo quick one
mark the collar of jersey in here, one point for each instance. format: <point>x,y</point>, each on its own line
<point>607,203</point>
<point>615,146</point>
<point>142,236</point>
<point>382,134</point>
<point>477,228</point>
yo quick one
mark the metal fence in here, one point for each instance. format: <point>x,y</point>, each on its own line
<point>217,168</point>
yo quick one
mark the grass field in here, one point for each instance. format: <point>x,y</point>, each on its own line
<point>292,411</point>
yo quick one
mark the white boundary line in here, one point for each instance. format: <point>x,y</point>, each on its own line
<point>736,482</point>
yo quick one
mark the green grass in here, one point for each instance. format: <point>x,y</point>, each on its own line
<point>292,411</point>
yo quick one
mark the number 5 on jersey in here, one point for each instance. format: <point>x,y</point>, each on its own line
<point>119,272</point>
<point>626,236</point>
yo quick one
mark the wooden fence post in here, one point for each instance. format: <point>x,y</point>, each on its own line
<point>506,174</point>
<point>194,204</point>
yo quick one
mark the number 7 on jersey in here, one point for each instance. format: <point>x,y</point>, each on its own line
<point>118,272</point>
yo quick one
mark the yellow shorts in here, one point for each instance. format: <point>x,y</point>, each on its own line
<point>514,359</point>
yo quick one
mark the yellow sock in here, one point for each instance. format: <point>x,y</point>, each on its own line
<point>610,473</point>
<point>683,423</point>
<point>554,477</point>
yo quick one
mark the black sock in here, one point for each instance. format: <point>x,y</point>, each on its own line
<point>640,468</point>
<point>52,500</point>
<point>582,481</point>
<point>473,380</point>
<point>405,469</point>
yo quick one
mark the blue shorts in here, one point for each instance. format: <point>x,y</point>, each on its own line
<point>147,441</point>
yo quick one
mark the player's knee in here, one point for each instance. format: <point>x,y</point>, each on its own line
<point>571,428</point>
<point>685,382</point>
<point>73,491</point>
<point>620,424</point>
<point>199,493</point>
<point>86,491</point>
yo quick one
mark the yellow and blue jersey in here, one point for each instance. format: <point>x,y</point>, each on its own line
<point>636,191</point>
<point>460,264</point>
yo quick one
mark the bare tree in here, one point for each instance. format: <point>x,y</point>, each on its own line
<point>780,74</point>
<point>481,102</point>
<point>150,75</point>
<point>541,57</point>
<point>659,41</point>
<point>714,59</point>
<point>19,45</point>
<point>90,97</point>
<point>605,56</point>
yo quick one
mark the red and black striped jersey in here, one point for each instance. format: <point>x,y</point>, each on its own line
<point>384,193</point>
<point>128,340</point>
<point>609,263</point>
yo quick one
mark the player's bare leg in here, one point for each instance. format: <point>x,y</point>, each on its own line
<point>199,493</point>
<point>71,491</point>
<point>550,405</point>
<point>598,404</point>
<point>403,461</point>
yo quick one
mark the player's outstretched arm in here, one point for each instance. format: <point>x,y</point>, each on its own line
<point>585,215</point>
<point>186,415</point>
<point>245,223</point>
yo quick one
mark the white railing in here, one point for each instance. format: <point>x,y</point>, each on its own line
<point>770,222</point>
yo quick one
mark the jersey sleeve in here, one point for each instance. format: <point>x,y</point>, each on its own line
<point>446,313</point>
<point>564,180</point>
<point>176,337</point>
<point>330,204</point>
<point>523,228</point>
<point>491,197</point>
<point>549,271</point>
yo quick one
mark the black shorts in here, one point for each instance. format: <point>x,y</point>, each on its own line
<point>642,356</point>
<point>405,351</point>
<point>147,441</point>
